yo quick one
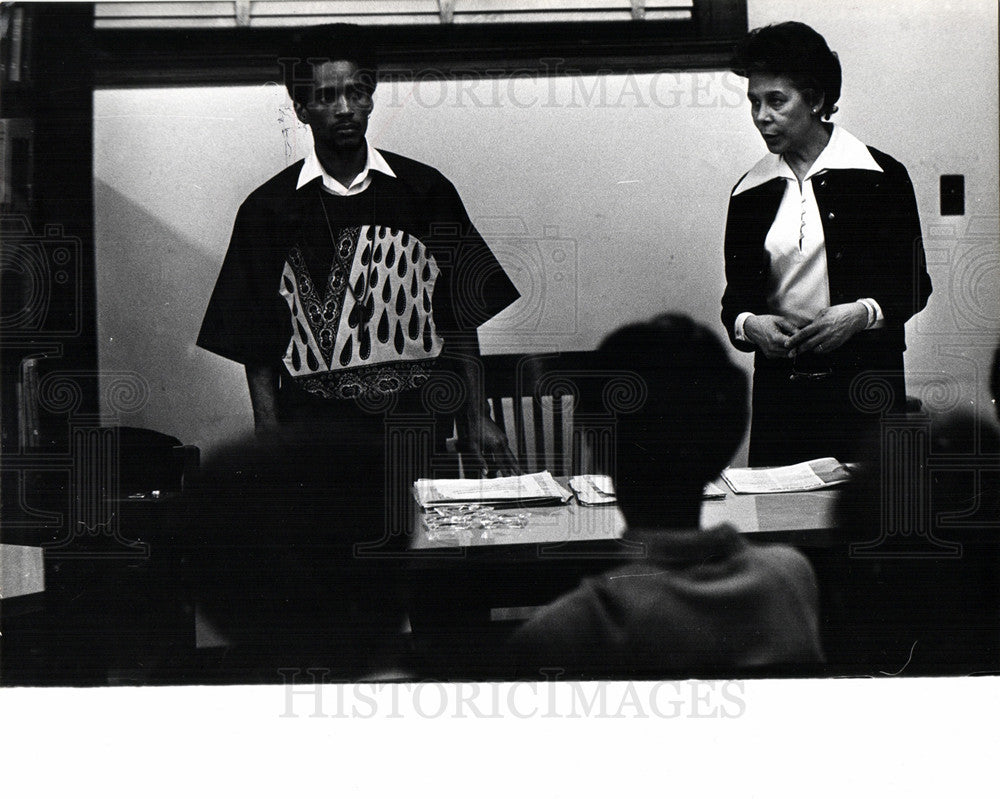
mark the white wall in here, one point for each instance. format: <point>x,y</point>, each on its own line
<point>605,197</point>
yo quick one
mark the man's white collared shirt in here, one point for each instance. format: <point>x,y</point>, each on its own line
<point>312,169</point>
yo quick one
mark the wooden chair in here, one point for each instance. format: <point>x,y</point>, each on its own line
<point>552,407</point>
<point>539,426</point>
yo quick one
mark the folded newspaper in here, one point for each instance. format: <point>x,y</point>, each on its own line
<point>807,476</point>
<point>524,489</point>
<point>598,489</point>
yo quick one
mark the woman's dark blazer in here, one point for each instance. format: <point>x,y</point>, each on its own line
<point>874,249</point>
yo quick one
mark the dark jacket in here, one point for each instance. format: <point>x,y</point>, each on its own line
<point>874,249</point>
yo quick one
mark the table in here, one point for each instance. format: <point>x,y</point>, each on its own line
<point>93,608</point>
<point>22,578</point>
<point>469,588</point>
<point>803,519</point>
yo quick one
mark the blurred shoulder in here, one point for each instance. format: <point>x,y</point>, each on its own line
<point>787,561</point>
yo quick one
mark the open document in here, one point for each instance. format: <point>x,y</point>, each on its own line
<point>807,476</point>
<point>593,489</point>
<point>524,489</point>
<point>598,489</point>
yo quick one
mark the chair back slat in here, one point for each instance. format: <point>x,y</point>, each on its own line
<point>531,448</point>
<point>548,432</point>
<point>566,418</point>
<point>509,425</point>
<point>536,400</point>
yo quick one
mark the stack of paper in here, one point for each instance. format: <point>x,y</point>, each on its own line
<point>525,489</point>
<point>807,476</point>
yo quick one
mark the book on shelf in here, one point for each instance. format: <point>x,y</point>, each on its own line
<point>29,434</point>
<point>16,42</point>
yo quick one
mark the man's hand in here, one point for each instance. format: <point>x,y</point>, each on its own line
<point>830,329</point>
<point>484,446</point>
<point>480,440</point>
<point>770,333</point>
<point>262,381</point>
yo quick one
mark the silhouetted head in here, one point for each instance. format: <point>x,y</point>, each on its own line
<point>923,588</point>
<point>276,557</point>
<point>692,417</point>
<point>898,483</point>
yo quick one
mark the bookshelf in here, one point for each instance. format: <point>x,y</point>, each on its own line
<point>46,228</point>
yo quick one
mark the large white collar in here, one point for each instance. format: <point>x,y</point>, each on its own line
<point>843,151</point>
<point>312,169</point>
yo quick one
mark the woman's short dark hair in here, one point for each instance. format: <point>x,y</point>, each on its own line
<point>797,52</point>
<point>339,42</point>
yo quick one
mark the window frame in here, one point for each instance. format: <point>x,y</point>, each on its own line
<point>158,56</point>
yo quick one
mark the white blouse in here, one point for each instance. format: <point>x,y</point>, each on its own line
<point>798,283</point>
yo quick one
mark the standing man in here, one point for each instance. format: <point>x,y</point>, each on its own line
<point>355,276</point>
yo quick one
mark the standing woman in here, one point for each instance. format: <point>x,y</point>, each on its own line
<point>824,260</point>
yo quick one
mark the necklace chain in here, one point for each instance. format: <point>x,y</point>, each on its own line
<point>366,290</point>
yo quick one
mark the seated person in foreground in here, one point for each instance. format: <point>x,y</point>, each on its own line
<point>693,599</point>
<point>278,567</point>
<point>922,592</point>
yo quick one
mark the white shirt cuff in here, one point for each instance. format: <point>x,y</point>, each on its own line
<point>875,316</point>
<point>738,326</point>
